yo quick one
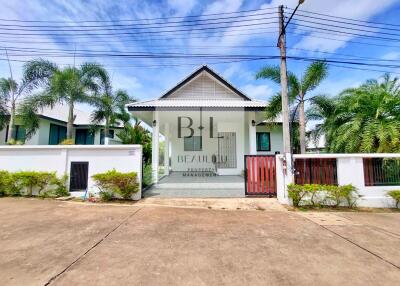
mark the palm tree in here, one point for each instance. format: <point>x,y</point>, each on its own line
<point>136,134</point>
<point>109,105</point>
<point>11,92</point>
<point>69,86</point>
<point>298,89</point>
<point>366,118</point>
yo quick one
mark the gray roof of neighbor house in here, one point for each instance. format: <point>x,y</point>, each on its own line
<point>202,88</point>
<point>60,113</point>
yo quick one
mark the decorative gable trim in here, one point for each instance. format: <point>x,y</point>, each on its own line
<point>213,74</point>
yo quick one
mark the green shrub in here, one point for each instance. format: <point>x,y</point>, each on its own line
<point>350,195</point>
<point>396,196</point>
<point>15,142</point>
<point>321,195</point>
<point>5,182</point>
<point>9,185</point>
<point>47,184</point>
<point>67,142</point>
<point>123,184</point>
<point>106,196</point>
<point>147,175</point>
<point>296,193</point>
<point>61,189</point>
<point>30,180</point>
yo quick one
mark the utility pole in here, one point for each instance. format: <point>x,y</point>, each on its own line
<point>284,85</point>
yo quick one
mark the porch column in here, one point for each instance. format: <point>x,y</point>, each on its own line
<point>252,134</point>
<point>166,150</point>
<point>154,147</point>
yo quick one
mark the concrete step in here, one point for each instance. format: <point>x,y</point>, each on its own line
<point>208,186</point>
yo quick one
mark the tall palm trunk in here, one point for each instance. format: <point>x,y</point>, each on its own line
<point>71,118</point>
<point>11,124</point>
<point>302,127</point>
<point>107,128</point>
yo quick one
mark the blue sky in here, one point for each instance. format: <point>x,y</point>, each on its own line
<point>145,78</point>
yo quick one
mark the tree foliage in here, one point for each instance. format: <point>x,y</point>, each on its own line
<point>361,119</point>
<point>68,86</point>
<point>298,90</point>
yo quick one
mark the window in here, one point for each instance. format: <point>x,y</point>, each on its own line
<point>57,134</point>
<point>110,135</point>
<point>193,143</point>
<point>321,171</point>
<point>19,133</point>
<point>263,141</point>
<point>84,137</point>
<point>381,171</point>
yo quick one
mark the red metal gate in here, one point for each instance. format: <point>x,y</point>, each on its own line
<point>260,175</point>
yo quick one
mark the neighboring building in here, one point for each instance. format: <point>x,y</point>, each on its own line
<point>316,147</point>
<point>53,129</point>
<point>208,126</point>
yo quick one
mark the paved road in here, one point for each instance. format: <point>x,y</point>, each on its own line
<point>58,243</point>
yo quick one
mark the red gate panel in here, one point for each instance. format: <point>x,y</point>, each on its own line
<point>260,175</point>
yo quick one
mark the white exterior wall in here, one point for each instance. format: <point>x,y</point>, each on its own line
<point>275,136</point>
<point>101,158</point>
<point>224,121</point>
<point>350,170</point>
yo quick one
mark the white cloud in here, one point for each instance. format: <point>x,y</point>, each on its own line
<point>354,9</point>
<point>181,7</point>
<point>391,56</point>
<point>262,91</point>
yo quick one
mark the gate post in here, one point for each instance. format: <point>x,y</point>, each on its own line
<point>284,177</point>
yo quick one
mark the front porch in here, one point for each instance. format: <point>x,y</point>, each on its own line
<point>176,185</point>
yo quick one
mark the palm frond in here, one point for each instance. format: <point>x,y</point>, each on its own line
<point>315,73</point>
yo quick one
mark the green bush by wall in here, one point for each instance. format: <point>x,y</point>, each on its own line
<point>113,182</point>
<point>323,195</point>
<point>30,183</point>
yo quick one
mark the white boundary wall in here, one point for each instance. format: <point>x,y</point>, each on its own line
<point>101,158</point>
<point>350,170</point>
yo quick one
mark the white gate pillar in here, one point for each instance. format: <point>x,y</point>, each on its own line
<point>155,147</point>
<point>252,134</point>
<point>166,150</point>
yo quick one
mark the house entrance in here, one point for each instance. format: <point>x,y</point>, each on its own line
<point>227,150</point>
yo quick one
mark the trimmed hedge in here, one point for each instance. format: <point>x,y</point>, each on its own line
<point>323,195</point>
<point>396,196</point>
<point>113,182</point>
<point>44,184</point>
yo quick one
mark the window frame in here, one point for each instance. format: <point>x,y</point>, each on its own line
<point>17,129</point>
<point>59,127</point>
<point>103,137</point>
<point>258,146</point>
<point>193,144</point>
<point>86,131</point>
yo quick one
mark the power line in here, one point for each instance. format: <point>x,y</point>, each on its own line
<point>347,28</point>
<point>343,22</point>
<point>85,52</point>
<point>128,26</point>
<point>350,19</point>
<point>134,20</point>
<point>346,33</point>
<point>340,40</point>
<point>138,32</point>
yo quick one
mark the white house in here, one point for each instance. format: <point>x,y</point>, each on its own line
<point>208,126</point>
<point>53,129</point>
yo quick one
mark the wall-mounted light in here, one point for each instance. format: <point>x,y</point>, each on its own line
<point>253,123</point>
<point>154,123</point>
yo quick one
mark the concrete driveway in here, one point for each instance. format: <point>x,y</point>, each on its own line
<point>59,243</point>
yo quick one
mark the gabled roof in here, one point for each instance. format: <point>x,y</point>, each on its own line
<point>213,74</point>
<point>172,99</point>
